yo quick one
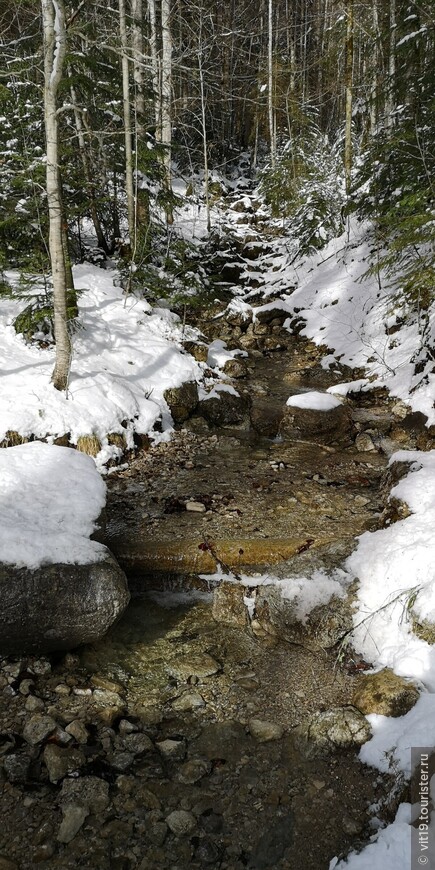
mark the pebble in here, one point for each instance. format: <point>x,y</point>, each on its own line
<point>73,818</point>
<point>196,507</point>
<point>33,704</point>
<point>181,822</point>
<point>77,730</point>
<point>59,762</point>
<point>364,443</point>
<point>195,665</point>
<point>188,701</point>
<point>89,792</point>
<point>192,771</point>
<point>173,750</point>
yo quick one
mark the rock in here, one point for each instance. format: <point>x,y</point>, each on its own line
<point>196,507</point>
<point>59,762</point>
<point>224,407</point>
<point>263,731</point>
<point>73,818</point>
<point>338,729</point>
<point>16,768</point>
<point>330,426</point>
<point>266,417</point>
<point>192,771</point>
<point>235,368</point>
<point>59,606</point>
<point>201,666</point>
<point>197,349</point>
<point>385,693</point>
<point>188,701</point>
<point>38,728</point>
<point>181,822</point>
<point>182,401</point>
<point>208,853</point>
<point>321,628</point>
<point>271,312</point>
<point>157,833</point>
<point>364,443</point>
<point>172,750</point>
<point>228,604</point>
<point>89,792</point>
<point>33,704</point>
<point>137,743</point>
<point>77,730</point>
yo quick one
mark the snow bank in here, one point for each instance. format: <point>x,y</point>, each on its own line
<point>50,499</point>
<point>124,357</point>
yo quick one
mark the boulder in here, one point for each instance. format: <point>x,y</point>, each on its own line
<point>59,606</point>
<point>223,407</point>
<point>335,730</point>
<point>385,693</point>
<point>235,368</point>
<point>182,401</point>
<point>333,424</point>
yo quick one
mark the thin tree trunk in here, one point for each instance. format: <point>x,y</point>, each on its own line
<point>391,64</point>
<point>54,30</point>
<point>349,94</point>
<point>272,130</point>
<point>166,97</point>
<point>155,66</point>
<point>129,190</point>
<point>204,128</point>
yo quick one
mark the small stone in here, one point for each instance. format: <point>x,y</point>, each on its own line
<point>73,818</point>
<point>62,689</point>
<point>361,500</point>
<point>16,768</point>
<point>264,731</point>
<point>43,853</point>
<point>196,507</point>
<point>192,771</point>
<point>25,686</point>
<point>188,701</point>
<point>137,743</point>
<point>364,443</point>
<point>89,792</point>
<point>126,727</point>
<point>201,665</point>
<point>122,761</point>
<point>77,730</point>
<point>181,822</point>
<point>41,667</point>
<point>172,750</point>
<point>157,833</point>
<point>107,685</point>
<point>208,853</point>
<point>38,728</point>
<point>59,762</point>
<point>33,704</point>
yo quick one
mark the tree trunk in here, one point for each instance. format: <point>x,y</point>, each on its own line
<point>349,94</point>
<point>272,128</point>
<point>129,190</point>
<point>54,30</point>
<point>166,98</point>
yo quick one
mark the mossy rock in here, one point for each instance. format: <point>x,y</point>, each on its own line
<point>385,693</point>
<point>13,439</point>
<point>89,444</point>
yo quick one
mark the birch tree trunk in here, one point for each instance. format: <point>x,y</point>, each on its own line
<point>272,129</point>
<point>155,65</point>
<point>54,32</point>
<point>129,189</point>
<point>391,64</point>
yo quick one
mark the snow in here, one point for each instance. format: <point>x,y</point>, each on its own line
<point>314,401</point>
<point>218,354</point>
<point>125,355</point>
<point>50,499</point>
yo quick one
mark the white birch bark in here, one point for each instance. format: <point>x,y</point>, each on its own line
<point>54,32</point>
<point>272,130</point>
<point>129,188</point>
<point>349,96</point>
<point>155,66</point>
<point>166,89</point>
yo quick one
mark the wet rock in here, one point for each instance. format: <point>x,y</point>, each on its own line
<point>364,443</point>
<point>223,740</point>
<point>272,845</point>
<point>385,693</point>
<point>181,822</point>
<point>322,628</point>
<point>266,417</point>
<point>16,768</point>
<point>329,426</point>
<point>188,701</point>
<point>338,729</point>
<point>229,606</point>
<point>73,818</point>
<point>182,401</point>
<point>38,728</point>
<point>192,771</point>
<point>59,762</point>
<point>59,606</point>
<point>224,406</point>
<point>89,792</point>
<point>263,731</point>
<point>201,666</point>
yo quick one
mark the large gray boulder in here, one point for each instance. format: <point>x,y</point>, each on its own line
<point>59,606</point>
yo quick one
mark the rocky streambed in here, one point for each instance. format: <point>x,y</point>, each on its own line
<point>211,727</point>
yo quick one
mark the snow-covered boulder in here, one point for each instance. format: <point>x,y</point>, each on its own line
<point>316,416</point>
<point>58,588</point>
<point>223,406</point>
